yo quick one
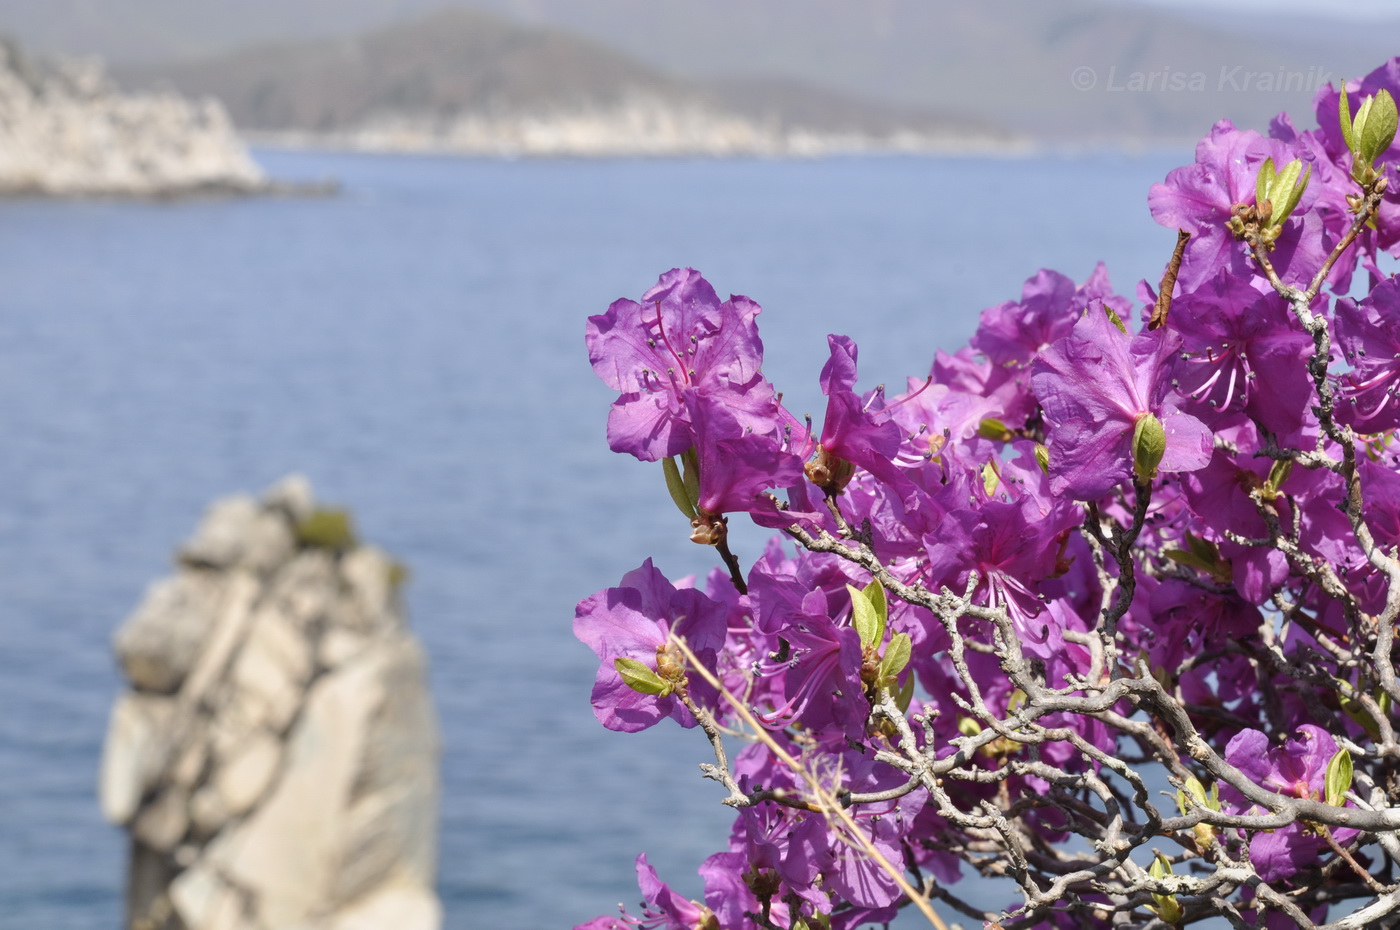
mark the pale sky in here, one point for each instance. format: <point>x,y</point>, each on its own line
<point>1358,10</point>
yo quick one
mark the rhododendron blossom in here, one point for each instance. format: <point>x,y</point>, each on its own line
<point>1104,611</point>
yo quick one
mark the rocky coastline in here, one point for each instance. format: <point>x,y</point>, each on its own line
<point>67,131</point>
<point>641,126</point>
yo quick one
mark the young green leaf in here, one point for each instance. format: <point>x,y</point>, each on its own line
<point>1344,117</point>
<point>1338,778</point>
<point>869,612</point>
<point>1149,445</point>
<point>691,460</point>
<point>875,594</point>
<point>1380,127</point>
<point>1287,189</point>
<point>676,485</point>
<point>1263,183</point>
<point>905,695</point>
<point>991,478</point>
<point>1278,474</point>
<point>1115,319</point>
<point>639,678</point>
<point>1167,906</point>
<point>864,617</point>
<point>994,429</point>
<point>896,656</point>
<point>1358,713</point>
<point>1191,791</point>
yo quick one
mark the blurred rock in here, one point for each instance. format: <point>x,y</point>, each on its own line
<point>161,641</point>
<point>138,747</point>
<point>276,760</point>
<point>66,130</point>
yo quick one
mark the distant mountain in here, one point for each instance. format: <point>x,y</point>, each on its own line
<point>1014,61</point>
<point>1004,62</point>
<point>471,81</point>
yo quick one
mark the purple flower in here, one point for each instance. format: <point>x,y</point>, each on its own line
<point>679,341</point>
<point>820,676</point>
<point>1013,333</point>
<point>1297,769</point>
<point>736,464</point>
<point>1242,351</point>
<point>1327,106</point>
<point>1094,385</point>
<point>663,910</point>
<point>728,894</point>
<point>852,431</point>
<point>1198,198</point>
<point>1012,551</point>
<point>1368,334</point>
<point>637,620</point>
<point>853,874</point>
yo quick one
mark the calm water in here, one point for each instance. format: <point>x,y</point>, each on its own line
<point>415,347</point>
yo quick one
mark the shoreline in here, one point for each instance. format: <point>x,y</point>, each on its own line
<point>1022,149</point>
<point>205,191</point>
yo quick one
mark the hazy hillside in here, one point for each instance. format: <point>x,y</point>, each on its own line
<point>1016,59</point>
<point>471,81</point>
<point>1007,62</point>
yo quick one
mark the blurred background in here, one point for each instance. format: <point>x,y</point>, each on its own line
<point>413,344</point>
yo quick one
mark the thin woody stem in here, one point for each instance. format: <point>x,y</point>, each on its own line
<point>830,804</point>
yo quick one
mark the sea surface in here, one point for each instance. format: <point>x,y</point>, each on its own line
<point>415,347</point>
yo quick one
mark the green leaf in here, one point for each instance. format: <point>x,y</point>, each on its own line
<point>639,678</point>
<point>992,428</point>
<point>1115,319</point>
<point>905,695</point>
<point>1149,445</point>
<point>1287,189</point>
<point>863,616</point>
<point>1166,907</point>
<point>1358,130</point>
<point>991,478</point>
<point>1344,117</point>
<point>869,612</point>
<point>1042,458</point>
<point>1380,127</point>
<point>896,656</point>
<point>1203,548</point>
<point>691,476</point>
<point>676,485</point>
<point>1338,778</point>
<point>1192,790</point>
<point>1278,474</point>
<point>875,594</point>
<point>1263,183</point>
<point>1202,555</point>
<point>1357,711</point>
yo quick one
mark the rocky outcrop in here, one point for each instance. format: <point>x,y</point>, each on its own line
<point>275,761</point>
<point>66,130</point>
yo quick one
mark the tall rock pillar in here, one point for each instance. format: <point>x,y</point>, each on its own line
<point>275,759</point>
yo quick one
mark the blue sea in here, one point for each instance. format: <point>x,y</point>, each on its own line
<point>414,346</point>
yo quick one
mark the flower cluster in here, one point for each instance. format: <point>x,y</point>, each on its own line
<point>1100,550</point>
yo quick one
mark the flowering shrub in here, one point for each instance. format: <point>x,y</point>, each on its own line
<point>1096,553</point>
